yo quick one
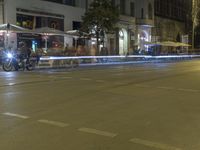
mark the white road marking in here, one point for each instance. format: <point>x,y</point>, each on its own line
<point>100,81</point>
<point>11,84</point>
<point>15,115</point>
<point>188,90</point>
<point>85,79</point>
<point>67,77</point>
<point>118,74</point>
<point>52,77</point>
<point>142,86</point>
<point>154,144</point>
<point>118,83</point>
<point>98,132</point>
<point>54,123</point>
<point>165,88</point>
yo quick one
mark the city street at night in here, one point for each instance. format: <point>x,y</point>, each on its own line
<point>150,106</point>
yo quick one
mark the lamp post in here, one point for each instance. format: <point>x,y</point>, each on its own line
<point>195,12</point>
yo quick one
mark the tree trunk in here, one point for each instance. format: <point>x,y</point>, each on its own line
<point>98,43</point>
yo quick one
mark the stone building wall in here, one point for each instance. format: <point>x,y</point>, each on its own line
<point>167,29</point>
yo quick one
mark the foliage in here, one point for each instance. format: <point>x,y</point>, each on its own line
<point>100,18</point>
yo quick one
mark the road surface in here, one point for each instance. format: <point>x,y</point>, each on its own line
<point>153,106</point>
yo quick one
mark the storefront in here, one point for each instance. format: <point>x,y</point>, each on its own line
<point>38,40</point>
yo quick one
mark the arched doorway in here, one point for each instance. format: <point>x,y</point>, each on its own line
<point>123,42</point>
<point>143,39</point>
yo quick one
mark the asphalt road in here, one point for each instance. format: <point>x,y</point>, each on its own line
<point>131,107</point>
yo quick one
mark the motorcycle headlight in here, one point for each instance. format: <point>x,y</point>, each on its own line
<point>9,55</point>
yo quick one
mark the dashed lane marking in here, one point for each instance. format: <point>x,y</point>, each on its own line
<point>54,123</point>
<point>11,84</point>
<point>86,79</point>
<point>119,83</point>
<point>100,81</point>
<point>142,86</point>
<point>154,144</point>
<point>119,74</point>
<point>67,77</point>
<point>98,132</point>
<point>188,90</point>
<point>15,115</point>
<point>165,88</point>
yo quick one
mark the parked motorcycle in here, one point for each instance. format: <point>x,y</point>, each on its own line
<point>12,61</point>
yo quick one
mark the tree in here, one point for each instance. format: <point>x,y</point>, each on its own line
<point>100,19</point>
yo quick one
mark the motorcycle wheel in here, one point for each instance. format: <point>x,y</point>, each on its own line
<point>30,66</point>
<point>7,67</point>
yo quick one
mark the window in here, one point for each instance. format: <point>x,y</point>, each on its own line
<point>122,7</point>
<point>113,2</point>
<point>150,11</point>
<point>65,2</point>
<point>25,21</point>
<point>55,1</point>
<point>76,25</point>
<point>142,13</point>
<point>132,9</point>
<point>69,2</point>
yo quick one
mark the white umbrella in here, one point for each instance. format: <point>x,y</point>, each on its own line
<point>46,31</point>
<point>151,43</point>
<point>183,44</point>
<point>167,43</point>
<point>77,34</point>
<point>12,28</point>
<point>7,28</point>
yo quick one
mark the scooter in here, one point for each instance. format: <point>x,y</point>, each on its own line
<point>12,61</point>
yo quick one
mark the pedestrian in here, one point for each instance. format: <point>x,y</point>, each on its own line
<point>66,50</point>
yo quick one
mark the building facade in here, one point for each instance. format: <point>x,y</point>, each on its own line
<point>195,23</point>
<point>172,20</point>
<point>141,21</point>
<point>61,15</point>
<point>134,26</point>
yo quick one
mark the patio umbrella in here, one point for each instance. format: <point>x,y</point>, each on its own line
<point>183,44</point>
<point>167,43</point>
<point>7,28</point>
<point>77,34</point>
<point>174,44</point>
<point>12,28</point>
<point>152,43</point>
<point>46,31</point>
